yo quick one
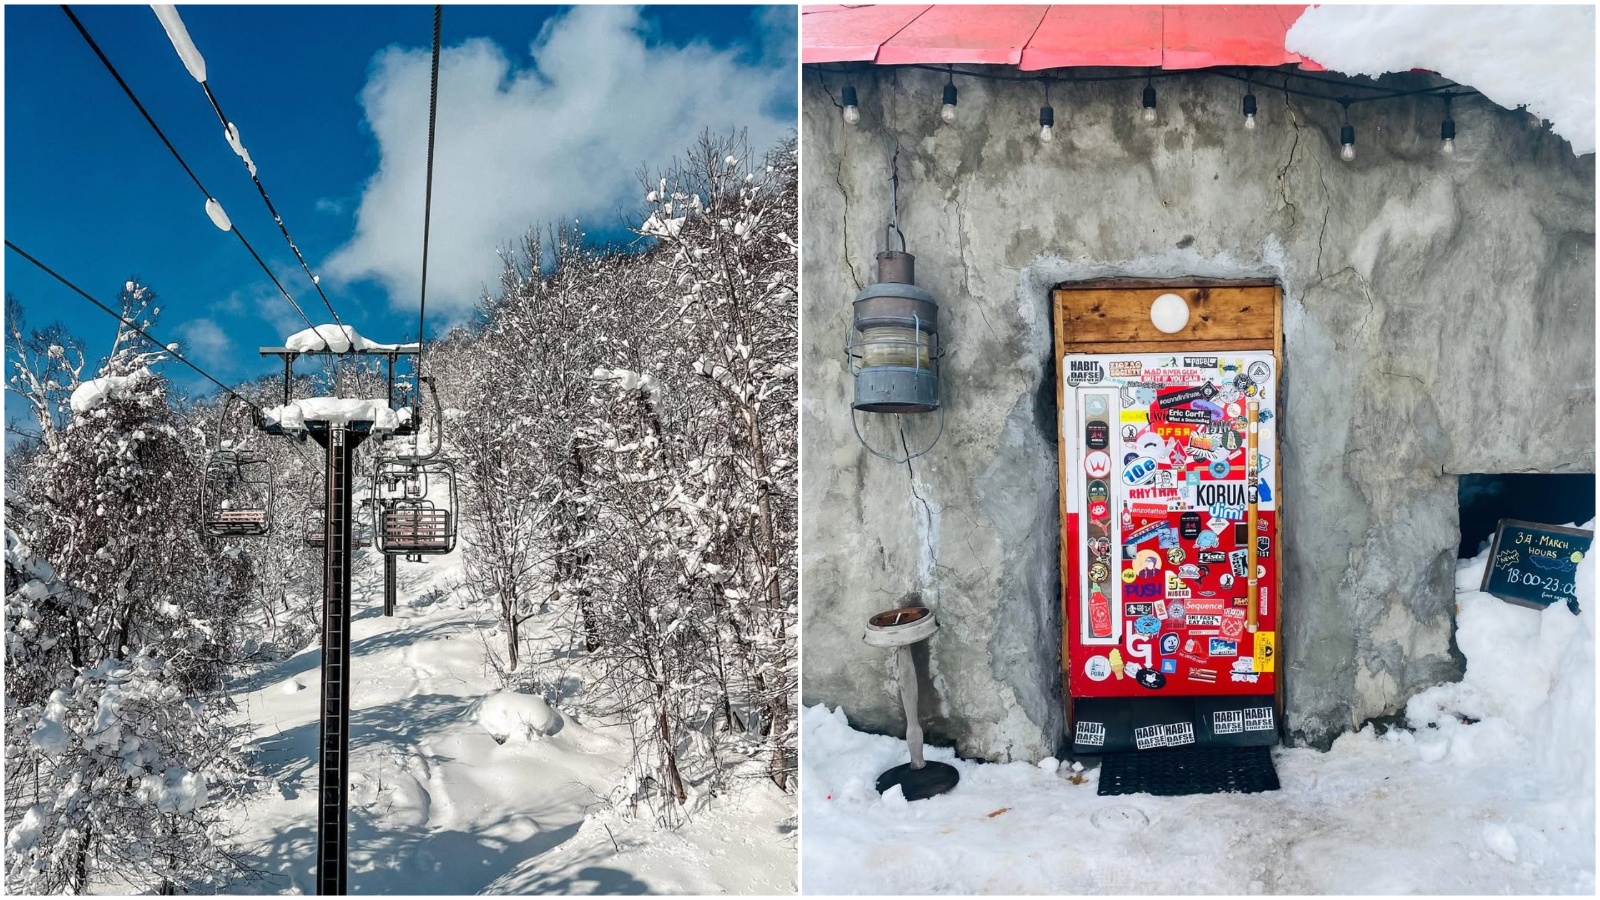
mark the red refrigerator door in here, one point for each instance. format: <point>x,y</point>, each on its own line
<point>1165,500</point>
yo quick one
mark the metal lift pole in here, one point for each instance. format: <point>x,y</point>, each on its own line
<point>389,578</point>
<point>333,816</point>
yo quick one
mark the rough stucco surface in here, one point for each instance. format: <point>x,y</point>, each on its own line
<point>1439,319</point>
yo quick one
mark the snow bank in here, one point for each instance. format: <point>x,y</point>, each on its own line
<point>1528,692</point>
<point>336,339</point>
<point>96,391</point>
<point>333,410</point>
<point>510,716</point>
<point>1489,791</point>
<point>1538,56</point>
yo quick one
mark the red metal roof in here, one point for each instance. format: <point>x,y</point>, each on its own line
<point>1047,37</point>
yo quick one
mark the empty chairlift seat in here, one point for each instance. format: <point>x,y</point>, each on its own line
<point>236,495</point>
<point>416,527</point>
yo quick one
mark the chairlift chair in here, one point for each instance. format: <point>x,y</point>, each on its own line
<point>416,505</point>
<point>236,488</point>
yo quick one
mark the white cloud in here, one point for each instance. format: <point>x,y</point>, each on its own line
<point>203,341</point>
<point>522,145</point>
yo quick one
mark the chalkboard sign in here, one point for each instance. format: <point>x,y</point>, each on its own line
<point>1535,565</point>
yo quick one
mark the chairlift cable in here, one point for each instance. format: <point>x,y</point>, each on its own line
<point>115,315</point>
<point>179,157</point>
<point>427,203</point>
<point>276,217</point>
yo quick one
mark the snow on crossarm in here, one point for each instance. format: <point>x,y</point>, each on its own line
<point>336,339</point>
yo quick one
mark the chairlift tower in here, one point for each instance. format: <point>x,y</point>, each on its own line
<point>339,438</point>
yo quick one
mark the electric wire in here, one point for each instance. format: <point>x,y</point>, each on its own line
<point>119,317</point>
<point>427,203</point>
<point>179,157</point>
<point>1388,93</point>
<point>227,126</point>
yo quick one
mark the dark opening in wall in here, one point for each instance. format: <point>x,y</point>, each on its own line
<point>1550,499</point>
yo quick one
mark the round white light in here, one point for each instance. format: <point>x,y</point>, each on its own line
<point>1170,313</point>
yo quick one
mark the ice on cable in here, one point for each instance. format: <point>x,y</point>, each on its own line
<point>333,410</point>
<point>336,339</point>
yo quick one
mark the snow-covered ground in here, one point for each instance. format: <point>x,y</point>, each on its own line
<point>440,806</point>
<point>1504,804</point>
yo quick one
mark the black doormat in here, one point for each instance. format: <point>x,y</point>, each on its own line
<point>1176,772</point>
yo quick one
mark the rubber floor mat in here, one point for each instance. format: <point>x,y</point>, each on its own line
<point>1176,772</point>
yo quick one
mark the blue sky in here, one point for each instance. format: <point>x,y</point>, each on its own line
<point>545,113</point>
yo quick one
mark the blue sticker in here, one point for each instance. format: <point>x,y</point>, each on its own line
<point>1169,643</point>
<point>1147,625</point>
<point>1170,666</point>
<point>1219,468</point>
<point>1264,492</point>
<point>1168,538</point>
<point>1206,540</point>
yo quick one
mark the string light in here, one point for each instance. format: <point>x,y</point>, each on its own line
<point>1347,135</point>
<point>1447,131</point>
<point>1047,117</point>
<point>1249,105</point>
<point>948,111</point>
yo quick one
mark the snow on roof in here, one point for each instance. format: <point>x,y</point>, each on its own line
<point>334,410</point>
<point>96,391</point>
<point>336,339</point>
<point>1538,56</point>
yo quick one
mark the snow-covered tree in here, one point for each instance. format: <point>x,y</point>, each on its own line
<point>120,627</point>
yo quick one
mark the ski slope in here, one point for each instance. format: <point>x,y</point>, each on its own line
<point>438,805</point>
<point>1490,790</point>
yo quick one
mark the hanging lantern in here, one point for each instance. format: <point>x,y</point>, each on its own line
<point>894,342</point>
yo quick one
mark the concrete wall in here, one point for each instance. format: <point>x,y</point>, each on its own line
<point>1439,319</point>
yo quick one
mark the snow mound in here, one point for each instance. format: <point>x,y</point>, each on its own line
<point>92,394</point>
<point>1529,687</point>
<point>1538,56</point>
<point>510,716</point>
<point>336,339</point>
<point>333,410</point>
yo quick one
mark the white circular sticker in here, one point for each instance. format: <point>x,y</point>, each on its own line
<point>1098,668</point>
<point>1097,463</point>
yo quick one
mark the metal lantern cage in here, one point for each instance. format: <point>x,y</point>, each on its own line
<point>894,346</point>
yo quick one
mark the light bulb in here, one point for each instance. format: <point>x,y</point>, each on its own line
<point>1149,102</point>
<point>1250,122</point>
<point>1046,133</point>
<point>1047,122</point>
<point>852,115</point>
<point>1347,152</point>
<point>1250,112</point>
<point>1347,142</point>
<point>852,112</point>
<point>948,111</point>
<point>1449,146</point>
<point>1447,134</point>
<point>1149,114</point>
